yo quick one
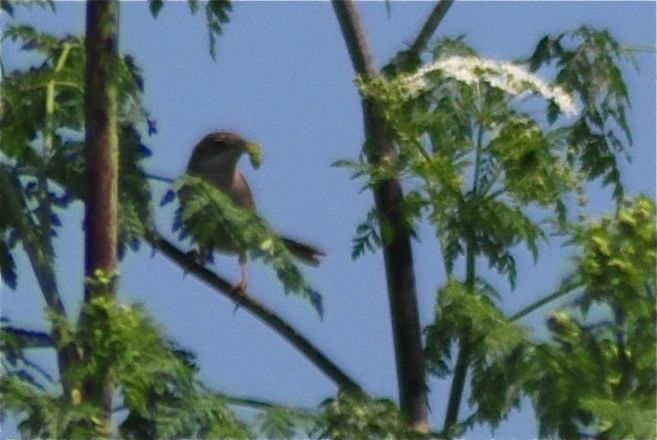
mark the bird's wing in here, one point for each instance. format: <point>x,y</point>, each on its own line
<point>240,191</point>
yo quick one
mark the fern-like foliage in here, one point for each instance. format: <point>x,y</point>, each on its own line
<point>155,381</point>
<point>595,375</point>
<point>349,416</point>
<point>588,63</point>
<point>38,145</point>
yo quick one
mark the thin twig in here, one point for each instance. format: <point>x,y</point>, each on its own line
<point>42,267</point>
<point>159,178</point>
<point>570,284</point>
<point>262,405</point>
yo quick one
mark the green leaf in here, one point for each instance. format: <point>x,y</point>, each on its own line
<point>194,5</point>
<point>367,236</point>
<point>463,315</point>
<point>281,422</point>
<point>216,14</point>
<point>590,68</point>
<point>541,53</point>
<point>155,6</point>
<point>8,5</point>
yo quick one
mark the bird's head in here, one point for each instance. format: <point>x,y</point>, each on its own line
<point>220,150</point>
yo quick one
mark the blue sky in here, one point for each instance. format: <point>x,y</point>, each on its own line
<point>283,78</point>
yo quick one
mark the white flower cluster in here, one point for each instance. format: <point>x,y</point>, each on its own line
<point>509,77</point>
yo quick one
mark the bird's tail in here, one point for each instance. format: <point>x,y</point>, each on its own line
<point>304,252</point>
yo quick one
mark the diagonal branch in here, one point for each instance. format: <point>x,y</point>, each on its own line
<point>43,271</point>
<point>263,405</point>
<point>28,338</point>
<point>285,329</point>
<point>409,59</point>
<point>568,285</point>
<point>433,21</point>
<point>40,259</point>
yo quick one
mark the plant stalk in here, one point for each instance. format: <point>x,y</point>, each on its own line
<point>465,349</point>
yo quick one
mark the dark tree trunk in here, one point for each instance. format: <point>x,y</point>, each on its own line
<point>397,253</point>
<point>101,214</point>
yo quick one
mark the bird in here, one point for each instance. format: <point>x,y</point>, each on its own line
<point>215,160</point>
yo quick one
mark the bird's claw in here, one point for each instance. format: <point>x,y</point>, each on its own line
<point>239,288</point>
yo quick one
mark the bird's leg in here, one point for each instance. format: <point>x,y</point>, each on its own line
<point>242,285</point>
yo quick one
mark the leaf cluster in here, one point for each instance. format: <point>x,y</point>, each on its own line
<point>13,342</point>
<point>349,416</point>
<point>449,130</point>
<point>481,166</point>
<point>42,142</point>
<point>154,379</point>
<point>368,237</point>
<point>284,422</point>
<point>45,415</point>
<point>616,350</point>
<point>9,6</point>
<point>588,63</point>
<point>618,259</point>
<point>474,319</point>
<point>474,161</point>
<point>596,374</point>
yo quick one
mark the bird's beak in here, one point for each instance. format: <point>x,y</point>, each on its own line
<point>255,153</point>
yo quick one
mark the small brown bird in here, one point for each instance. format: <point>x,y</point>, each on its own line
<point>215,159</point>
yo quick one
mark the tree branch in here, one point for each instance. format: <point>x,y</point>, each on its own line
<point>159,178</point>
<point>101,140</point>
<point>397,254</point>
<point>246,300</point>
<point>433,21</point>
<point>30,339</point>
<point>465,345</point>
<point>569,284</point>
<point>262,405</point>
<point>101,215</point>
<point>409,59</point>
<point>43,271</point>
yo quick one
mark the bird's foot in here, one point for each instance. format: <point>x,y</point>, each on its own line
<point>240,288</point>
